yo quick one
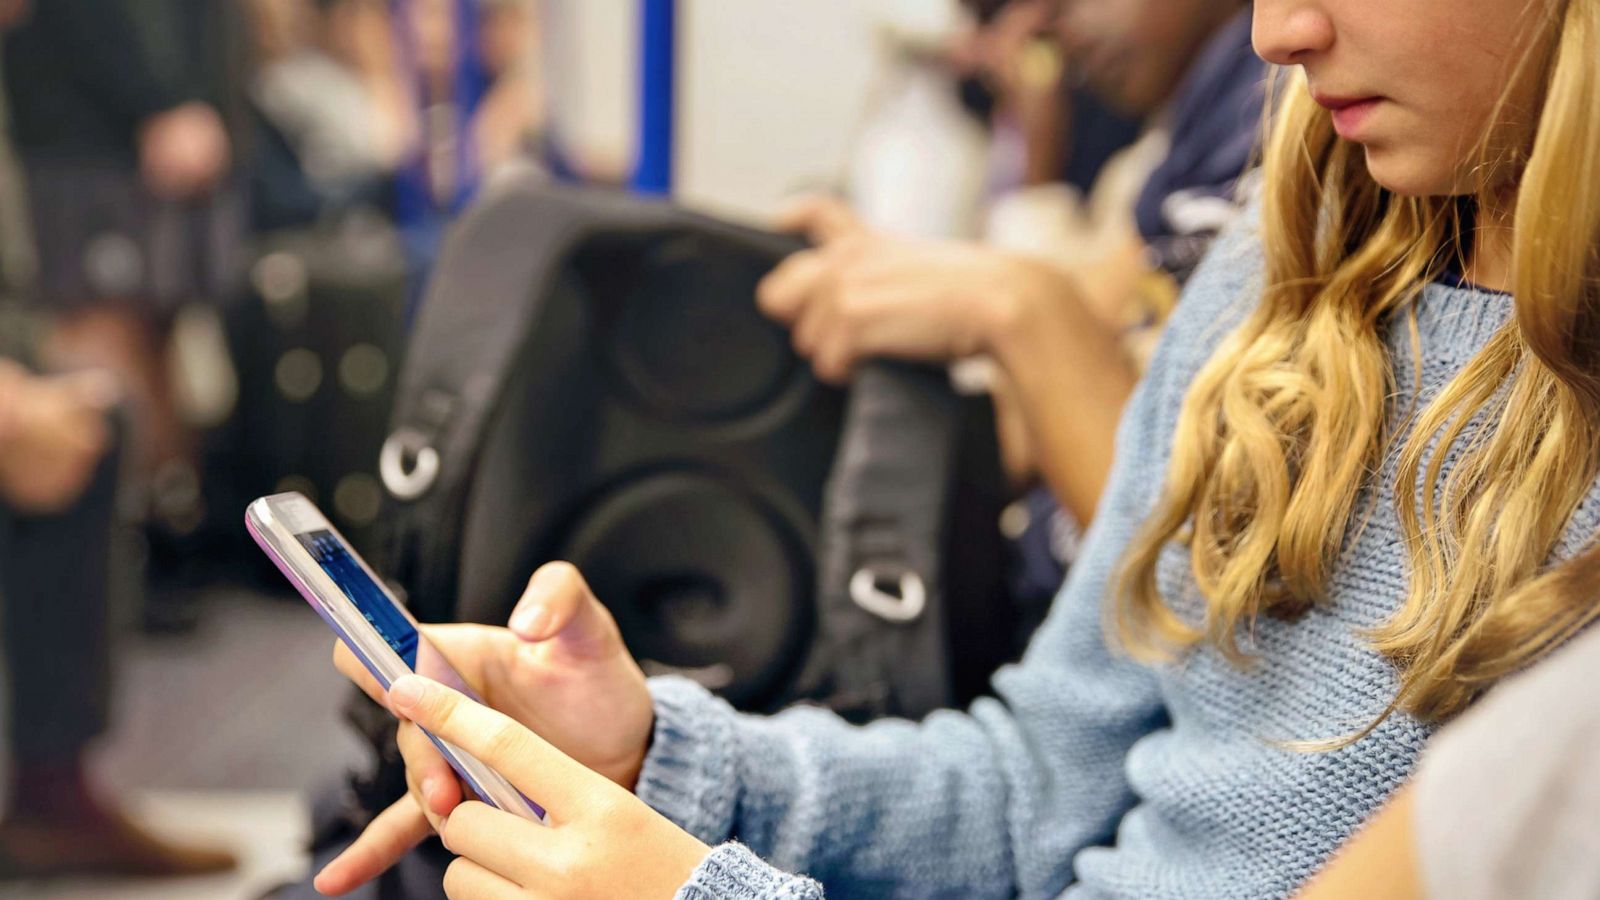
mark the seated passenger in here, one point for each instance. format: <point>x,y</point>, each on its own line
<point>1063,321</point>
<point>1349,455</point>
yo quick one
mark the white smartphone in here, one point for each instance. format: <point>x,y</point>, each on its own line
<point>341,587</point>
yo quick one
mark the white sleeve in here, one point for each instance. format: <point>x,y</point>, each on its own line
<point>1508,797</point>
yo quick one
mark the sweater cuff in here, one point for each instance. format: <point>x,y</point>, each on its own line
<point>733,872</point>
<point>690,775</point>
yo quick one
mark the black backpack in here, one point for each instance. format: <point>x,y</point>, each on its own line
<point>589,380</point>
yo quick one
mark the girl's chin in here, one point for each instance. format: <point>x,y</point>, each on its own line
<point>1406,172</point>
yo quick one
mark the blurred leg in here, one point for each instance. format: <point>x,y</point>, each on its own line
<point>54,581</point>
<point>56,573</point>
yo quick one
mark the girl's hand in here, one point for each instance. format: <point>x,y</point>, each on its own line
<point>560,670</point>
<point>601,841</point>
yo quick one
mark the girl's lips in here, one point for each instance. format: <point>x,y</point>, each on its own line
<point>1348,120</point>
<point>1349,113</point>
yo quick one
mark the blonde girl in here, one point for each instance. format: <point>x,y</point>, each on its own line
<point>1367,439</point>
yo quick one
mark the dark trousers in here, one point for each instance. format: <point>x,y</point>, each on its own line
<point>55,578</point>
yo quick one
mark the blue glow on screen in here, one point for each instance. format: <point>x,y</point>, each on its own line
<point>368,597</point>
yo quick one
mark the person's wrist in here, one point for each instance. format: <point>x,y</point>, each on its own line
<point>1013,311</point>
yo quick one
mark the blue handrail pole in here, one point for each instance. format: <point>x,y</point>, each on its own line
<point>652,172</point>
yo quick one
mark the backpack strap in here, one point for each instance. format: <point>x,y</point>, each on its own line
<point>881,606</point>
<point>458,357</point>
<point>485,299</point>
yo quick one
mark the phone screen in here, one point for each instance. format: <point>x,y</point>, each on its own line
<point>386,618</point>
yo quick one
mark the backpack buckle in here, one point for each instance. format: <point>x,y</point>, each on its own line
<point>867,591</point>
<point>408,464</point>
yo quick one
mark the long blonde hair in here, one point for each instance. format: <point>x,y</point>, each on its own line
<point>1284,425</point>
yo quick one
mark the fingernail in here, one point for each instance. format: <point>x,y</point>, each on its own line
<point>429,787</point>
<point>530,621</point>
<point>407,691</point>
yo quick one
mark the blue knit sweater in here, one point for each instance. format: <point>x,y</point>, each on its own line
<point>1089,775</point>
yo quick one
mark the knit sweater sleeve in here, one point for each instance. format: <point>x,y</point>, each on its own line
<point>991,802</point>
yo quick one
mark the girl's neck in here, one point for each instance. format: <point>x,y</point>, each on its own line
<point>1489,259</point>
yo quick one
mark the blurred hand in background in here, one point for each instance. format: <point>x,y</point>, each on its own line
<point>1062,377</point>
<point>53,433</point>
<point>184,151</point>
<point>872,295</point>
<point>1000,49</point>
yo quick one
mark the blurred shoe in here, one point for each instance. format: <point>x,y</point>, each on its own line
<point>100,843</point>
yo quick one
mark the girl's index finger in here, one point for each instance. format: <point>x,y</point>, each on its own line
<point>526,760</point>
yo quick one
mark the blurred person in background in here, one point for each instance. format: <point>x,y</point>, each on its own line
<point>427,97</point>
<point>333,121</point>
<point>1066,295</point>
<point>60,456</point>
<point>470,104</point>
<point>1048,128</point>
<point>58,485</point>
<point>969,102</point>
<point>121,115</point>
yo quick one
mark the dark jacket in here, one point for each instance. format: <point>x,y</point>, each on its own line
<point>82,74</point>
